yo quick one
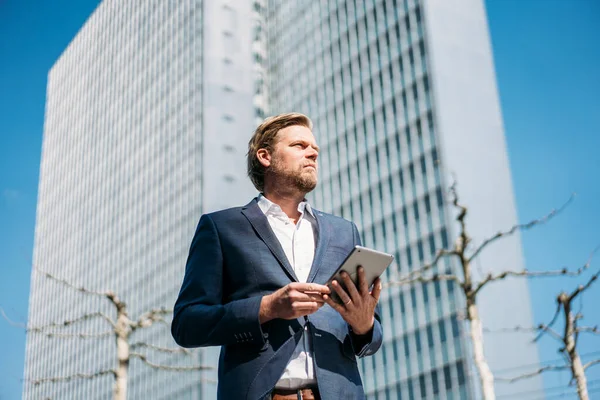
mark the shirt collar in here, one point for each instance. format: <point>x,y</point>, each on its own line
<point>268,207</point>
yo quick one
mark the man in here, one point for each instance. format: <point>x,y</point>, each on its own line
<point>254,282</point>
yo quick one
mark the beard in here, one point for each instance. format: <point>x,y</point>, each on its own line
<point>300,179</point>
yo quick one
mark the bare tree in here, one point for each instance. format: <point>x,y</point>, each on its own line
<point>122,329</point>
<point>568,339</point>
<point>471,287</point>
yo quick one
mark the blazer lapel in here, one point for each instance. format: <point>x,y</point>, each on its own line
<point>323,233</point>
<point>261,225</point>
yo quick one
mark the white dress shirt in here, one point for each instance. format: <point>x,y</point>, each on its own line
<point>298,243</point>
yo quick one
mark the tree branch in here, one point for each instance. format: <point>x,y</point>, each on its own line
<point>423,279</point>
<point>72,321</point>
<point>158,348</point>
<point>70,285</point>
<point>589,364</point>
<point>13,323</point>
<point>588,329</point>
<point>461,219</point>
<point>583,288</point>
<point>520,227</point>
<point>527,330</point>
<point>170,367</point>
<point>77,335</point>
<point>528,274</point>
<point>546,329</point>
<point>439,255</point>
<point>150,317</point>
<point>72,377</point>
<point>534,373</point>
<point>550,324</point>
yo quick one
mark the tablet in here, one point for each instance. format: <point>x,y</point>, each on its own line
<point>374,262</point>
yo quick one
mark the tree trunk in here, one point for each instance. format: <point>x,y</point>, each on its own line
<point>476,331</point>
<point>570,347</point>
<point>120,392</point>
<point>579,374</point>
<point>122,332</point>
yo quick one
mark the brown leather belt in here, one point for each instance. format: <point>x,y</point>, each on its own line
<point>299,394</point>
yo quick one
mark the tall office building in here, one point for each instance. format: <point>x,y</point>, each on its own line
<point>148,114</point>
<point>402,94</point>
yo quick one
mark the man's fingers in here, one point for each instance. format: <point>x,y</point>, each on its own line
<point>350,287</point>
<point>362,281</point>
<point>300,309</point>
<point>337,307</point>
<point>376,289</point>
<point>306,307</point>
<point>310,287</point>
<point>344,297</point>
<point>315,297</point>
<point>306,297</point>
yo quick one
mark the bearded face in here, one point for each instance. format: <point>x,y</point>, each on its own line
<point>293,163</point>
<point>302,177</point>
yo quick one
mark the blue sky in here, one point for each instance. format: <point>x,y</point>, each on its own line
<point>546,55</point>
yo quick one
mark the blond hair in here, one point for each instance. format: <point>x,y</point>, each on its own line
<point>265,137</point>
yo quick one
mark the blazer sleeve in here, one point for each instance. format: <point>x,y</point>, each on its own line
<point>199,317</point>
<point>366,345</point>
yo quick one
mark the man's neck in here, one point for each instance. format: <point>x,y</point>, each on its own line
<point>287,201</point>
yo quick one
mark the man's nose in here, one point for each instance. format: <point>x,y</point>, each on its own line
<point>312,154</point>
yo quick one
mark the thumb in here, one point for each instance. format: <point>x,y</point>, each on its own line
<point>377,287</point>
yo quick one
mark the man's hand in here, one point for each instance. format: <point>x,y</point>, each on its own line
<point>292,301</point>
<point>358,309</point>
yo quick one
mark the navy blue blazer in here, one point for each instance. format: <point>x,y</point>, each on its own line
<point>234,260</point>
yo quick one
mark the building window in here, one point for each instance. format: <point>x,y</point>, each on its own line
<point>429,336</point>
<point>460,373</point>
<point>402,305</point>
<point>447,377</point>
<point>444,236</point>
<point>450,286</point>
<point>431,239</point>
<point>384,354</point>
<point>454,322</point>
<point>422,385</point>
<point>434,381</point>
<point>442,328</point>
<point>440,199</point>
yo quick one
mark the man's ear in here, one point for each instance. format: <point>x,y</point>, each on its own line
<point>264,157</point>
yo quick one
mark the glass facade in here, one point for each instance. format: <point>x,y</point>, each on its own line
<point>364,72</point>
<point>359,70</point>
<point>148,115</point>
<point>128,141</point>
